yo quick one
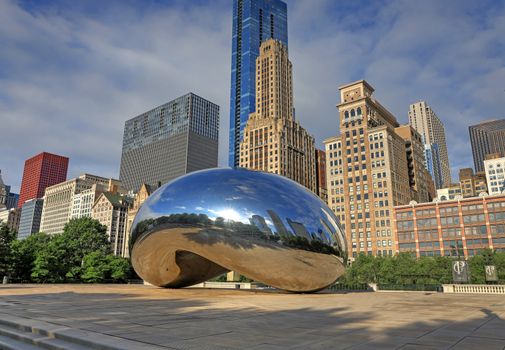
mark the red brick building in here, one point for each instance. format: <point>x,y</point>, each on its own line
<point>41,171</point>
<point>464,226</point>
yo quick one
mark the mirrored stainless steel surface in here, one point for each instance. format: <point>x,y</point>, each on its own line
<point>263,226</point>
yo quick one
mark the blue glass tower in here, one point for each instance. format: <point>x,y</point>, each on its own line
<point>253,22</point>
<point>433,164</point>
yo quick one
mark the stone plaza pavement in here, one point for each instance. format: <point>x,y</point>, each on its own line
<point>145,317</point>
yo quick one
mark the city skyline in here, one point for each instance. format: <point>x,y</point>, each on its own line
<point>253,23</point>
<point>70,75</point>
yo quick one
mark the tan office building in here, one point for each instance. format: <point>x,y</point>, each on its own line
<point>368,170</point>
<point>111,210</point>
<point>472,184</point>
<point>463,227</point>
<point>273,140</point>
<point>11,218</point>
<point>432,131</point>
<point>59,201</point>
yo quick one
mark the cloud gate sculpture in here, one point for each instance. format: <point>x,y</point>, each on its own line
<point>261,225</point>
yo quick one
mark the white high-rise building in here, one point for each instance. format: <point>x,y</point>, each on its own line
<point>432,131</point>
<point>495,175</point>
<point>59,201</point>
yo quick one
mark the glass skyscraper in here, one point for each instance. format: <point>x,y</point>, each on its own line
<point>253,22</point>
<point>433,164</point>
<point>31,214</point>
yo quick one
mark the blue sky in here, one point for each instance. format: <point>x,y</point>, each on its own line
<point>71,72</point>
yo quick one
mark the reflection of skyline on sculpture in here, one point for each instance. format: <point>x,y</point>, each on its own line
<point>244,203</point>
<point>260,225</point>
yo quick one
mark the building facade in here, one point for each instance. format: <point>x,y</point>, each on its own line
<point>31,214</point>
<point>486,138</point>
<point>495,174</point>
<point>12,199</point>
<point>83,202</point>
<point>432,131</point>
<point>449,228</point>
<point>367,171</point>
<point>3,193</point>
<point>111,210</point>
<point>11,218</point>
<point>41,171</point>
<point>253,22</point>
<point>273,140</point>
<point>59,201</point>
<point>322,191</point>
<point>171,140</point>
<point>139,198</point>
<point>449,193</point>
<point>422,187</point>
<point>472,184</point>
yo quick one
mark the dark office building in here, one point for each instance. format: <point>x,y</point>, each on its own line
<point>486,138</point>
<point>254,21</point>
<point>11,200</point>
<point>168,141</point>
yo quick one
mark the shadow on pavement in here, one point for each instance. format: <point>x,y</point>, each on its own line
<point>197,318</point>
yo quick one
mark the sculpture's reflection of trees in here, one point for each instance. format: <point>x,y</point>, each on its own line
<point>229,232</point>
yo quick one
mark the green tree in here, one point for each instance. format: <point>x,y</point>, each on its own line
<point>83,236</point>
<point>401,269</point>
<point>51,264</point>
<point>24,253</point>
<point>95,267</point>
<point>499,262</point>
<point>365,269</point>
<point>7,236</point>
<point>120,268</point>
<point>387,273</point>
<point>99,267</point>
<point>441,271</point>
<point>485,257</point>
<point>62,258</point>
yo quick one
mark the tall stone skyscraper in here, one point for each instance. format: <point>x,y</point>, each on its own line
<point>432,131</point>
<point>487,138</point>
<point>254,21</point>
<point>168,141</point>
<point>372,166</point>
<point>273,140</point>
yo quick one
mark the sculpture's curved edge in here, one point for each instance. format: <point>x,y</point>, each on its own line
<point>183,256</point>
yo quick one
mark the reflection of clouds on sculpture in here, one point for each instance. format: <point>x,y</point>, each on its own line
<point>241,196</point>
<point>238,209</point>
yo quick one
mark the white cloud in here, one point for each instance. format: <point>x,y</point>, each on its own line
<point>69,80</point>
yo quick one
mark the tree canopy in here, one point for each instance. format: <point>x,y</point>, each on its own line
<point>81,252</point>
<point>405,269</point>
